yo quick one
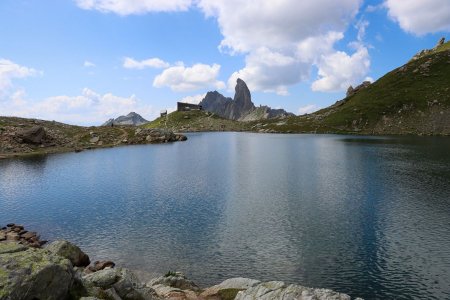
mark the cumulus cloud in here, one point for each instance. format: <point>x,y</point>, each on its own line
<point>88,64</point>
<point>180,78</point>
<point>129,7</point>
<point>419,16</point>
<point>193,99</point>
<point>88,108</point>
<point>281,43</point>
<point>130,63</point>
<point>10,70</point>
<point>338,70</point>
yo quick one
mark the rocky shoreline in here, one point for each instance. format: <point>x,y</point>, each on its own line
<point>61,270</point>
<point>22,137</point>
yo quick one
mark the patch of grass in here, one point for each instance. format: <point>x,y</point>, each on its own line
<point>170,273</point>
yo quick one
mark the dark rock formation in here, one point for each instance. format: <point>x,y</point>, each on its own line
<point>351,91</point>
<point>131,119</point>
<point>440,43</point>
<point>241,107</point>
<point>33,135</point>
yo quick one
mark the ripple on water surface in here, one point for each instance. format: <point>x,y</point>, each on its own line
<point>365,216</point>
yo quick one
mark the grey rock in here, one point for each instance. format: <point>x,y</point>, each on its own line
<point>440,43</point>
<point>178,281</point>
<point>94,140</point>
<point>232,283</point>
<point>103,279</point>
<point>33,135</point>
<point>352,91</point>
<point>275,290</point>
<point>241,107</point>
<point>69,251</point>
<point>33,273</point>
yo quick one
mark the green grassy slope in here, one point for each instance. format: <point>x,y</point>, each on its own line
<point>195,120</point>
<point>412,99</point>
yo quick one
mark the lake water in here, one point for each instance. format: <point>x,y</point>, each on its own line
<point>368,216</point>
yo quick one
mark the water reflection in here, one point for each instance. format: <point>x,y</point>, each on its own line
<point>365,216</point>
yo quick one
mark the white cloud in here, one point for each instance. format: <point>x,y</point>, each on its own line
<point>10,70</point>
<point>420,16</point>
<point>193,99</point>
<point>129,7</point>
<point>270,71</point>
<point>282,40</point>
<point>88,108</point>
<point>130,63</point>
<point>88,64</point>
<point>338,70</point>
<point>307,109</point>
<point>180,78</point>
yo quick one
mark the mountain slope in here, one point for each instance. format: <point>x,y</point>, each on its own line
<point>196,120</point>
<point>412,99</point>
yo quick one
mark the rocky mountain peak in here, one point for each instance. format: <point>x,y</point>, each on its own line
<point>242,96</point>
<point>239,108</point>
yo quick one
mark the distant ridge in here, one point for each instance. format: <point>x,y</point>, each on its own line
<point>241,108</point>
<point>131,119</point>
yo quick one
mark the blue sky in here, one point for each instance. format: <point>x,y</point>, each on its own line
<point>85,61</point>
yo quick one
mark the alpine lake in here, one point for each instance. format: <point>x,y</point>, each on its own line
<point>367,216</point>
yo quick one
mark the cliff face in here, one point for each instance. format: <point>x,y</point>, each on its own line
<point>241,108</point>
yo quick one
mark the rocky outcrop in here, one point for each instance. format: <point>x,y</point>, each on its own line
<point>240,108</point>
<point>439,43</point>
<point>351,91</point>
<point>132,118</point>
<point>19,136</point>
<point>70,251</point>
<point>31,273</point>
<point>33,135</point>
<point>278,290</point>
<point>425,52</point>
<point>28,273</point>
<point>13,232</point>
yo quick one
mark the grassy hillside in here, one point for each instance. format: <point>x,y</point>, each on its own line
<point>412,99</point>
<point>196,121</point>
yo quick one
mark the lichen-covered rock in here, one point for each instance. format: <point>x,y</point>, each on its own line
<point>31,273</point>
<point>69,251</point>
<point>177,280</point>
<point>278,290</point>
<point>117,283</point>
<point>103,278</point>
<point>229,285</point>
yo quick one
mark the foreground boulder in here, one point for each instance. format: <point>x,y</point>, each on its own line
<point>30,273</point>
<point>117,283</point>
<point>69,251</point>
<point>229,288</point>
<point>278,290</point>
